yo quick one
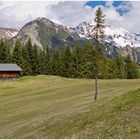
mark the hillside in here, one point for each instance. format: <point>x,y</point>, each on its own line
<point>118,119</point>
<point>64,108</point>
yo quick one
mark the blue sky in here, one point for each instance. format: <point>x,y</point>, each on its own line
<point>116,4</point>
<point>103,3</point>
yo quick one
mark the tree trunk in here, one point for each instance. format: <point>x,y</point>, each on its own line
<point>96,88</point>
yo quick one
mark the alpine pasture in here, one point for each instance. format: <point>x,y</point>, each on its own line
<point>57,107</point>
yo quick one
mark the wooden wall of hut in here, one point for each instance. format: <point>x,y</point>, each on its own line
<point>9,75</point>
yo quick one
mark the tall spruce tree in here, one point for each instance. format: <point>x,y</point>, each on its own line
<point>67,60</point>
<point>120,67</point>
<point>131,68</point>
<point>112,70</point>
<point>35,60</point>
<point>4,52</point>
<point>77,60</point>
<point>27,70</point>
<point>47,60</point>
<point>17,53</point>
<point>99,36</point>
<point>87,68</point>
<point>42,62</point>
<point>29,56</point>
<point>57,63</point>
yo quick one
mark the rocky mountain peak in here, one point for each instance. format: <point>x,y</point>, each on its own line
<point>7,33</point>
<point>118,37</point>
<point>43,32</point>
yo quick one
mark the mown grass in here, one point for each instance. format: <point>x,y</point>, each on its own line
<point>56,107</point>
<point>117,119</point>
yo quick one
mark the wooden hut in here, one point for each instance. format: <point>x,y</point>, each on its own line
<point>9,71</point>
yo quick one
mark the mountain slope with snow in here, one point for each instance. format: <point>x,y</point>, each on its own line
<point>118,37</point>
<point>7,33</point>
<point>44,32</point>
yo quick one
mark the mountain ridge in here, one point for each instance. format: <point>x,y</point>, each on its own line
<point>44,32</point>
<point>8,33</point>
<point>119,37</point>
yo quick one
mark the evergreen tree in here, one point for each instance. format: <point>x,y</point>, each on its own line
<point>131,68</point>
<point>88,62</point>
<point>4,52</point>
<point>99,36</point>
<point>120,67</point>
<point>42,64</point>
<point>26,67</point>
<point>35,60</point>
<point>68,62</point>
<point>111,69</point>
<point>17,53</point>
<point>47,61</point>
<point>77,60</point>
<point>29,56</point>
<point>57,63</point>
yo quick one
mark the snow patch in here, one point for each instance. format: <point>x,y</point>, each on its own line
<point>56,22</point>
<point>117,36</point>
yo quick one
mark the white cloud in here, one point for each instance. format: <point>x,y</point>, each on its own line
<point>71,13</point>
<point>17,13</point>
<point>129,21</point>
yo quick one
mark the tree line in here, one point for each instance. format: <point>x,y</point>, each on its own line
<point>77,62</point>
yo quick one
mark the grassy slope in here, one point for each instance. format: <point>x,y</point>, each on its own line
<point>117,119</point>
<point>56,107</point>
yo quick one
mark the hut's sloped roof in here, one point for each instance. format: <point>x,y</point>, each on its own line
<point>10,67</point>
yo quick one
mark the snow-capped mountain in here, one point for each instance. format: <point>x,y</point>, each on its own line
<point>118,37</point>
<point>7,33</point>
<point>44,32</point>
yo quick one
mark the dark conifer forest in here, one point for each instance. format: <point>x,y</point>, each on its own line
<point>71,62</point>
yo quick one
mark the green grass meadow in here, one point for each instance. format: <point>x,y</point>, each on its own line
<point>57,107</point>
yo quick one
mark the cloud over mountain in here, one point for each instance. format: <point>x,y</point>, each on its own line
<point>16,13</point>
